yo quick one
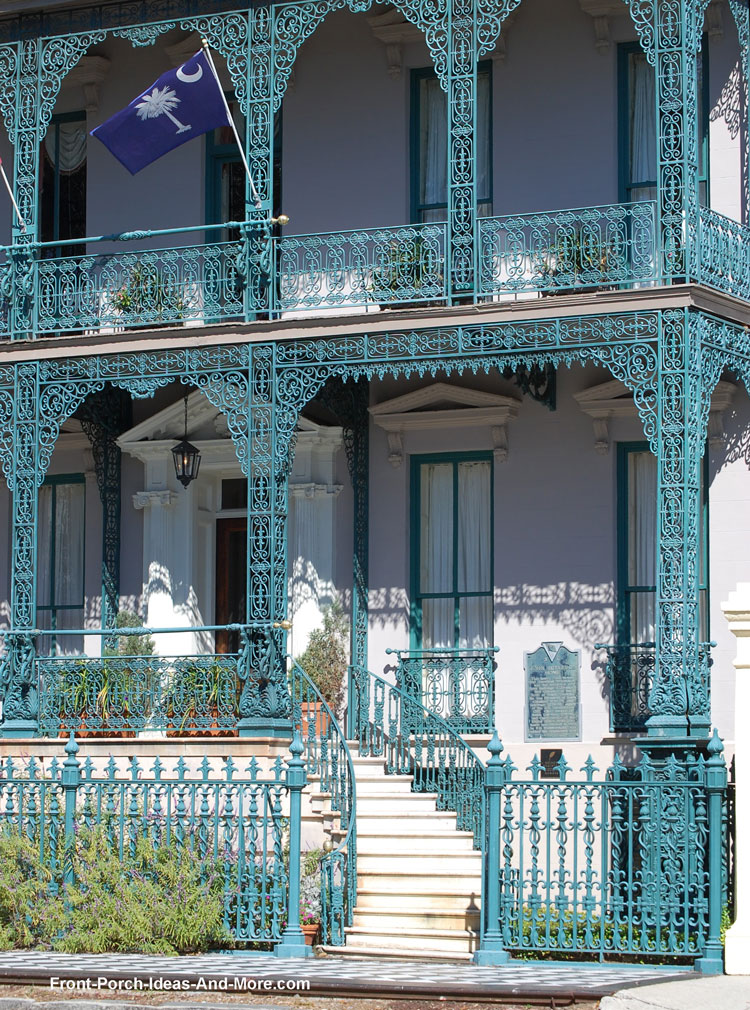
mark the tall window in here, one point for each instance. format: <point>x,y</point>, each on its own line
<point>452,551</point>
<point>225,173</point>
<point>638,131</point>
<point>637,527</point>
<point>63,181</point>
<point>61,526</point>
<point>429,145</point>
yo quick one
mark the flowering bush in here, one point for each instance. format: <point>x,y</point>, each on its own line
<point>309,899</point>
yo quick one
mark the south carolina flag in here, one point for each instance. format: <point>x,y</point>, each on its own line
<point>184,103</point>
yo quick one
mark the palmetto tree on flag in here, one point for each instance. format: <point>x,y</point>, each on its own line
<point>160,102</point>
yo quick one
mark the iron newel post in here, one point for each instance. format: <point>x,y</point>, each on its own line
<point>293,939</point>
<point>491,951</point>
<point>712,962</point>
<point>71,779</point>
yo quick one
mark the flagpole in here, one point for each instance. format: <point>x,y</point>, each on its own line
<point>230,120</point>
<point>12,198</point>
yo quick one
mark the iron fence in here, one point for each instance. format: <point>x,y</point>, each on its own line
<point>239,824</point>
<point>723,253</point>
<point>457,685</point>
<point>628,863</point>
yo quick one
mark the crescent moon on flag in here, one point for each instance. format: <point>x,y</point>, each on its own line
<point>190,78</point>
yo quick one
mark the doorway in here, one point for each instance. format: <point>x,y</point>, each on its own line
<point>231,580</point>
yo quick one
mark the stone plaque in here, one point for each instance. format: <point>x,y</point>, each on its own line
<point>552,693</point>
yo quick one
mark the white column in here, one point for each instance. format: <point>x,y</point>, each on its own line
<point>737,950</point>
<point>157,578</point>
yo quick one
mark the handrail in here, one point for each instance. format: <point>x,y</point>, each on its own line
<point>338,889</point>
<point>144,630</point>
<point>140,233</point>
<point>415,741</point>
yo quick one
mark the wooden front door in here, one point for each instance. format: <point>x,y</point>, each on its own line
<point>231,579</point>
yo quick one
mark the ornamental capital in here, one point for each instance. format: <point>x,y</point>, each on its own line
<point>145,499</point>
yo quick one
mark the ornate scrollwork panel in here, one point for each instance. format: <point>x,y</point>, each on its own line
<point>9,63</point>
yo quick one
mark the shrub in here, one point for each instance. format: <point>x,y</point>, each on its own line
<point>326,658</point>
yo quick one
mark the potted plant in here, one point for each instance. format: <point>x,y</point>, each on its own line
<point>309,901</point>
<point>196,701</point>
<point>148,298</point>
<point>576,262</point>
<point>409,273</point>
<point>325,661</point>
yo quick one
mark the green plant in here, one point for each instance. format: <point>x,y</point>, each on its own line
<point>147,293</point>
<point>198,692</point>
<point>326,658</point>
<point>575,259</point>
<point>156,900</point>
<point>409,269</point>
<point>131,645</point>
<point>309,901</point>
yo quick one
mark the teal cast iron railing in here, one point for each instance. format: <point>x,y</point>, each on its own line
<point>365,268</point>
<point>630,674</point>
<point>392,724</point>
<point>625,864</point>
<point>327,756</point>
<point>567,250</point>
<point>237,822</point>
<point>457,685</point>
<point>724,260</point>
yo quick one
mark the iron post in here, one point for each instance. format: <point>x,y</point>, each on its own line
<point>71,779</point>
<point>491,950</point>
<point>293,939</point>
<point>712,961</point>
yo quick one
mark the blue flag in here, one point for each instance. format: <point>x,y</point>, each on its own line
<point>184,103</point>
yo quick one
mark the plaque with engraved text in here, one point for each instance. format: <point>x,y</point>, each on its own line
<point>552,693</point>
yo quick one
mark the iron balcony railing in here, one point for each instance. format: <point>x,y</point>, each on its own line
<point>630,672</point>
<point>240,272</point>
<point>456,685</point>
<point>591,248</point>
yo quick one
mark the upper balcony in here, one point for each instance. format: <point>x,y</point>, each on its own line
<point>358,157</point>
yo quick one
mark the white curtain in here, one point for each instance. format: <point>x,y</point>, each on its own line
<point>642,543</point>
<point>69,545</point>
<point>65,144</point>
<point>474,554</point>
<point>44,542</point>
<point>642,127</point>
<point>433,145</point>
<point>436,553</point>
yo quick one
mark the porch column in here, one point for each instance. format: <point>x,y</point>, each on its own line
<point>18,676</point>
<point>676,41</point>
<point>462,147</point>
<point>679,700</point>
<point>737,950</point>
<point>265,704</point>
<point>157,577</point>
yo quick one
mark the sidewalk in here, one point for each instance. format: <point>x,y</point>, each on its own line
<point>722,992</point>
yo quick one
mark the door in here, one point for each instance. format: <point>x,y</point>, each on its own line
<point>231,579</point>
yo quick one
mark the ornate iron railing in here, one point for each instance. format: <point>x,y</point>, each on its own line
<point>237,823</point>
<point>327,755</point>
<point>391,723</point>
<point>123,695</point>
<point>457,685</point>
<point>630,673</point>
<point>625,864</point>
<point>723,253</point>
<point>595,248</point>
<point>371,267</point>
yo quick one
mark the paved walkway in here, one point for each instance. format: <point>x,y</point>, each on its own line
<point>719,993</point>
<point>328,975</point>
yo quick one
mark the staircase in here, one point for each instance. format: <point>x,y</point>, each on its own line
<point>418,877</point>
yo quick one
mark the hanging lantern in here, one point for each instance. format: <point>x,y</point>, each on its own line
<point>187,459</point>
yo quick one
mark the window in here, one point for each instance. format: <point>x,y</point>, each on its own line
<point>63,182</point>
<point>637,527</point>
<point>429,145</point>
<point>60,564</point>
<point>452,605</point>
<point>225,173</point>
<point>638,133</point>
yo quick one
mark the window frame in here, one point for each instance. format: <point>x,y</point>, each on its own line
<point>77,116</point>
<point>54,481</point>
<point>624,50</point>
<point>624,590</point>
<point>419,74</point>
<point>416,597</point>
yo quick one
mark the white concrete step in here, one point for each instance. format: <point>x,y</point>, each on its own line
<point>371,782</point>
<point>377,804</point>
<point>427,843</point>
<point>418,862</point>
<point>455,941</point>
<point>437,898</point>
<point>381,920</point>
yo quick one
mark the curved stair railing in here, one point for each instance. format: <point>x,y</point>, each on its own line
<point>327,755</point>
<point>389,722</point>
